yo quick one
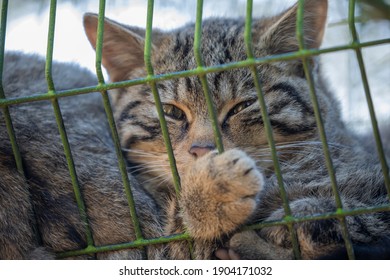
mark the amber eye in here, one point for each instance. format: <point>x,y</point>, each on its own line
<point>241,106</point>
<point>173,112</point>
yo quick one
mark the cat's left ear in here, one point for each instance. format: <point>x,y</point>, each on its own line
<point>280,35</point>
<point>123,48</point>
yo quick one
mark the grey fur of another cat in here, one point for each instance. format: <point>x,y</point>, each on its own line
<point>39,214</point>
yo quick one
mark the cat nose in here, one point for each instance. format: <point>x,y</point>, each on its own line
<point>201,150</point>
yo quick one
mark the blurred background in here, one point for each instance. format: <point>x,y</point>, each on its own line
<point>28,23</point>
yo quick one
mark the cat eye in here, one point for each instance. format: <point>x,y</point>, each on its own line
<point>173,112</point>
<point>241,106</point>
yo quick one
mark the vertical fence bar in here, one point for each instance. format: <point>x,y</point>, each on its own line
<point>99,42</point>
<point>7,116</point>
<point>202,76</point>
<point>60,123</point>
<point>111,122</point>
<point>268,130</point>
<point>367,91</point>
<point>160,112</point>
<point>157,100</point>
<point>321,129</point>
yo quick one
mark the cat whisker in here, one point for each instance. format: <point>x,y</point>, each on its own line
<point>164,181</point>
<point>145,167</point>
<point>143,153</point>
<point>146,164</point>
<point>309,144</point>
<point>165,177</point>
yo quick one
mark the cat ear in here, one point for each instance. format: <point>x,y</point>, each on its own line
<point>280,36</point>
<point>123,49</point>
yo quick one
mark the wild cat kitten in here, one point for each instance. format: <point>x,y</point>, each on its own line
<point>221,193</point>
<point>38,213</point>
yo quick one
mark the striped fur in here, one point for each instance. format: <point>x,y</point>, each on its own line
<point>38,212</point>
<point>218,197</point>
<point>220,193</point>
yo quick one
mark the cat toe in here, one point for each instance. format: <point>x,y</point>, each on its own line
<point>238,173</point>
<point>222,254</point>
<point>233,255</point>
<point>219,193</point>
<point>226,254</point>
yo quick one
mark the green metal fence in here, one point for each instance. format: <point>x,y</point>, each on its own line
<point>201,71</point>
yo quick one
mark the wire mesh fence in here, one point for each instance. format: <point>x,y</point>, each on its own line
<point>201,71</point>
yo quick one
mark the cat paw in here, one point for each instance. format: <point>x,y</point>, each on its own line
<point>219,193</point>
<point>315,238</point>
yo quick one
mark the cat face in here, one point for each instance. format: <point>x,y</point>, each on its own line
<point>233,91</point>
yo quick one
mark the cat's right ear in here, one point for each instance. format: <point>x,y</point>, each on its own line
<point>123,49</point>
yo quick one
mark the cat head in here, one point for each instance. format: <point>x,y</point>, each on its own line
<point>233,91</point>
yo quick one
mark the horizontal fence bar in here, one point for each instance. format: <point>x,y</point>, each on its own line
<point>329,215</point>
<point>188,73</point>
<point>185,236</point>
<point>128,245</point>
